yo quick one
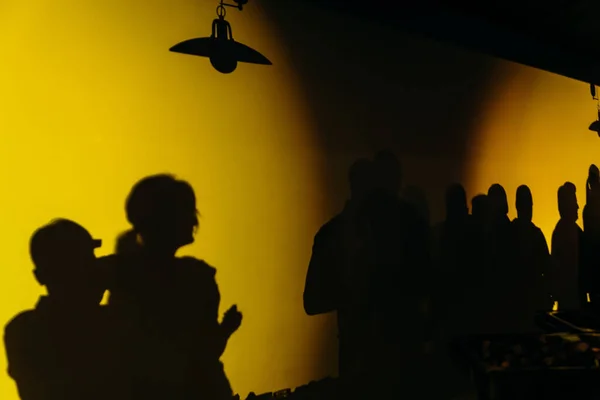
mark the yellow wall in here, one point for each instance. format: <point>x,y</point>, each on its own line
<point>534,131</point>
<point>92,100</point>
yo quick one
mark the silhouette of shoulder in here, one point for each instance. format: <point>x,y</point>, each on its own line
<point>18,340</point>
<point>196,267</point>
<point>198,272</point>
<point>200,290</point>
<point>20,325</point>
<point>20,322</point>
<point>329,228</point>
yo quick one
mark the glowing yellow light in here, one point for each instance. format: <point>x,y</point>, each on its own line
<point>534,132</point>
<point>92,100</point>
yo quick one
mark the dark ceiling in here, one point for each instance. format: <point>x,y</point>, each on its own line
<point>571,24</point>
<point>560,36</point>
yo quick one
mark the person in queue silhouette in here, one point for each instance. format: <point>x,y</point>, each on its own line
<point>566,249</point>
<point>64,348</point>
<point>172,300</point>
<point>400,291</point>
<point>590,248</point>
<point>592,193</point>
<point>530,292</point>
<point>480,209</point>
<point>498,214</point>
<point>417,198</point>
<point>500,269</point>
<point>459,274</point>
<point>387,172</point>
<point>480,218</point>
<point>334,280</point>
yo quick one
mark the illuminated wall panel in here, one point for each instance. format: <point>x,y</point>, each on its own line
<point>534,131</point>
<point>92,100</point>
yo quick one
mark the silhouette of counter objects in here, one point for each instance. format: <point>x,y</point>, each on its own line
<point>64,349</point>
<point>172,300</point>
<point>325,389</point>
<point>264,396</point>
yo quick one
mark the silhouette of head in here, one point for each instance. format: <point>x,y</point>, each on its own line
<point>378,209</point>
<point>418,199</point>
<point>64,259</point>
<point>498,201</point>
<point>162,210</point>
<point>524,203</point>
<point>456,201</point>
<point>594,177</point>
<point>567,202</point>
<point>480,207</point>
<point>360,177</point>
<point>388,170</point>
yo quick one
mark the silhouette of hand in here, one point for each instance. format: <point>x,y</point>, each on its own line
<point>232,320</point>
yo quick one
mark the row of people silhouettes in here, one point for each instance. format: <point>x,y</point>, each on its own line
<point>158,337</point>
<point>495,271</point>
<point>492,274</point>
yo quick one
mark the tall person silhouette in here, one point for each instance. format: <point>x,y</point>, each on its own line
<point>336,273</point>
<point>530,293</point>
<point>566,251</point>
<point>500,262</point>
<point>400,288</point>
<point>590,248</point>
<point>174,300</point>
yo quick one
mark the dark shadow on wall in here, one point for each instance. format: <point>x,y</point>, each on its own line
<point>371,87</point>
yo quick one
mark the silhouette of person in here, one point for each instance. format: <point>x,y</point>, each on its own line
<point>498,208</point>
<point>334,280</point>
<point>388,171</point>
<point>459,276</point>
<point>173,300</point>
<point>590,249</point>
<point>593,188</point>
<point>459,273</point>
<point>480,218</point>
<point>533,260</point>
<point>566,243</point>
<point>500,266</point>
<point>480,209</point>
<point>416,197</point>
<point>400,282</point>
<point>64,348</point>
